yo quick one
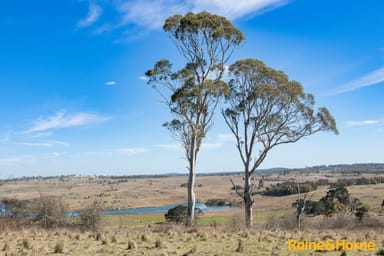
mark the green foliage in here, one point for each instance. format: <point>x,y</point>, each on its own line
<point>361,212</point>
<point>206,41</point>
<point>358,181</point>
<point>289,188</point>
<point>336,200</point>
<point>265,109</point>
<point>380,252</point>
<point>217,202</point>
<point>177,214</point>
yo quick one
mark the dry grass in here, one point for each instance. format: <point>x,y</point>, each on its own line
<point>148,192</point>
<point>178,240</point>
<point>218,233</point>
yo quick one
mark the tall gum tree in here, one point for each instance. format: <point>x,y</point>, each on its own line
<point>264,110</point>
<point>206,41</point>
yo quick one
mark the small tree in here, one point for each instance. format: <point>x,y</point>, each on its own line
<point>206,41</point>
<point>361,212</point>
<point>265,110</point>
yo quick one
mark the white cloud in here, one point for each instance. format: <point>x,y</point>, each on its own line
<point>373,78</point>
<point>176,146</point>
<point>93,15</point>
<point>151,14</point>
<point>143,78</point>
<point>236,9</point>
<point>111,83</point>
<point>132,151</point>
<point>225,137</point>
<point>62,119</point>
<point>362,123</point>
<point>47,144</point>
<point>35,144</point>
<point>56,154</point>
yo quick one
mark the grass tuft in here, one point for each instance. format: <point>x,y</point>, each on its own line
<point>132,245</point>
<point>59,247</point>
<point>240,246</point>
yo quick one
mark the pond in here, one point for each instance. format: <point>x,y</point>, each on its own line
<point>143,210</point>
<point>165,208</point>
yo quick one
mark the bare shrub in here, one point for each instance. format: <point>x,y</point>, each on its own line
<point>49,212</point>
<point>287,222</point>
<point>340,220</point>
<point>91,217</point>
<point>236,223</point>
<point>12,223</point>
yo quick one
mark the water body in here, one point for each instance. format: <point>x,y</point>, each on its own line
<point>165,208</point>
<point>143,210</point>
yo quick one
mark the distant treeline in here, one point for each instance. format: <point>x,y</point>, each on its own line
<point>355,169</point>
<point>347,168</point>
<point>356,181</point>
<point>291,187</point>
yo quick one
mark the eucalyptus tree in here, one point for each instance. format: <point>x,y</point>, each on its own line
<point>265,109</point>
<point>192,93</point>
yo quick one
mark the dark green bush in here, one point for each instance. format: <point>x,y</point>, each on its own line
<point>216,202</point>
<point>177,214</point>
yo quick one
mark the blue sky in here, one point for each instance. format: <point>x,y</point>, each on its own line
<point>73,98</point>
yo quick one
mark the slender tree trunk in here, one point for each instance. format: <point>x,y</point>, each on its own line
<point>248,201</point>
<point>191,186</point>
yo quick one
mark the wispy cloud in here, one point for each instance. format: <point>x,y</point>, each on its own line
<point>362,123</point>
<point>132,151</point>
<point>94,12</point>
<point>41,134</point>
<point>111,83</point>
<point>151,14</point>
<point>47,144</point>
<point>143,78</point>
<point>372,78</point>
<point>63,119</point>
<point>176,146</point>
<point>225,137</point>
<point>56,154</point>
<point>34,144</point>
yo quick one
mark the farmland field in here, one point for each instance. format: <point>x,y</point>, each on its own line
<point>216,232</point>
